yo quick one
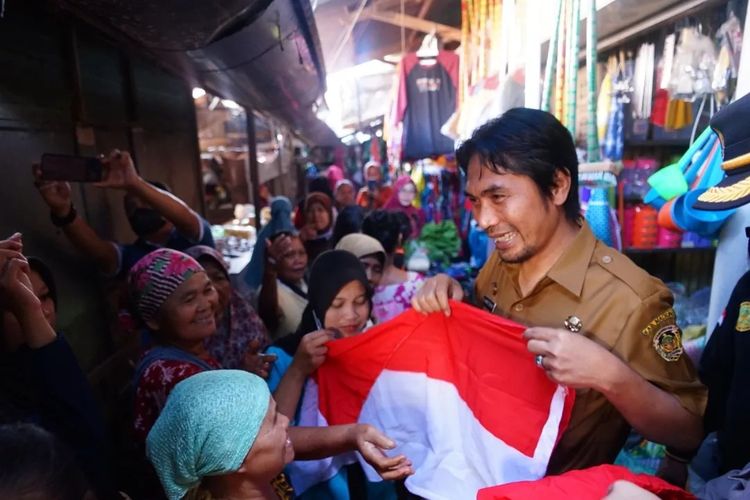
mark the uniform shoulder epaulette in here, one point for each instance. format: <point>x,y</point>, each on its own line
<point>638,280</point>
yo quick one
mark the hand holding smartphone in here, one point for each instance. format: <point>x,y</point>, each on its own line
<point>70,168</point>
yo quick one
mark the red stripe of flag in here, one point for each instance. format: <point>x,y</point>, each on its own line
<point>482,355</point>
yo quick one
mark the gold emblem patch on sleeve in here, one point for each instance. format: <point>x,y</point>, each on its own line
<point>668,343</point>
<point>667,316</point>
<point>743,318</point>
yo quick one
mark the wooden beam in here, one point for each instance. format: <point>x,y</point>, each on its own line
<point>379,52</point>
<point>446,33</point>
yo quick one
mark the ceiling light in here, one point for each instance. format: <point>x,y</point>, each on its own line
<point>362,137</point>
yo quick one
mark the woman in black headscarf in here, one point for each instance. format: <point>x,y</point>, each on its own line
<point>340,303</point>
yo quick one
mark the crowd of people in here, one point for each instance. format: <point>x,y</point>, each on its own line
<point>225,360</point>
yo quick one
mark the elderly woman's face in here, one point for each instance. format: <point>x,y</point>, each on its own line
<point>272,449</point>
<point>349,311</point>
<point>188,314</point>
<point>293,263</point>
<point>318,217</point>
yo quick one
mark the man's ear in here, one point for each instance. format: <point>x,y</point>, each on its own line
<point>561,186</point>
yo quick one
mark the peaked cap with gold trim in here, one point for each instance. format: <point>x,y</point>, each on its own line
<point>732,125</point>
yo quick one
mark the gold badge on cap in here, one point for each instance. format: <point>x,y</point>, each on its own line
<point>668,343</point>
<point>573,324</point>
<point>743,318</point>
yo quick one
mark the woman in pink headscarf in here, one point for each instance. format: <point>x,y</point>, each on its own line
<point>404,193</point>
<point>334,174</point>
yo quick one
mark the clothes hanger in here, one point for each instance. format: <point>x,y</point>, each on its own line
<point>429,49</point>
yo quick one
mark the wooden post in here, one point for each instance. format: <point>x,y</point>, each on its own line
<point>252,158</point>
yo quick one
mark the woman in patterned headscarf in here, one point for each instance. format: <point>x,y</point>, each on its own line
<point>173,296</point>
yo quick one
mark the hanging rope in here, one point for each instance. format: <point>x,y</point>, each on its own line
<point>463,80</point>
<point>592,135</point>
<point>549,70</point>
<point>572,80</point>
<point>560,69</point>
<point>403,30</point>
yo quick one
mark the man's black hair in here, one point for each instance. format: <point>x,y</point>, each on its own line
<point>388,227</point>
<point>349,221</point>
<point>527,142</point>
<point>128,203</point>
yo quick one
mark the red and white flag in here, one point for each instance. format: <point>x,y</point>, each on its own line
<point>460,395</point>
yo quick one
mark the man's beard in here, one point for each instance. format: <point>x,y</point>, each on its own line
<point>525,254</point>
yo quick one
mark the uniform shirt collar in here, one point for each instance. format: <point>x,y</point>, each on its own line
<point>570,269</point>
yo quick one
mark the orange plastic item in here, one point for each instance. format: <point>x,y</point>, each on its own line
<point>665,217</point>
<point>645,228</point>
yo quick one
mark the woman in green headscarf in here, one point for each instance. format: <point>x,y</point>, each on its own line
<point>221,436</point>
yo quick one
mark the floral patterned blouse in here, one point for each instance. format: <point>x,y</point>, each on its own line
<point>281,486</point>
<point>154,386</point>
<point>391,300</point>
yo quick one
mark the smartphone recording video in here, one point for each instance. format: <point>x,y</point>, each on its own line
<point>70,168</point>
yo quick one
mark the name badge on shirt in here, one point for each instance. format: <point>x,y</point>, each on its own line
<point>489,304</point>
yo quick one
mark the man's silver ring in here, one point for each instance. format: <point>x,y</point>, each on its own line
<point>539,360</point>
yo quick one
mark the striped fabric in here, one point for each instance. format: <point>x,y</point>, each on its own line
<point>155,277</point>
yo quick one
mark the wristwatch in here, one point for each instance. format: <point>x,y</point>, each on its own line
<point>64,221</point>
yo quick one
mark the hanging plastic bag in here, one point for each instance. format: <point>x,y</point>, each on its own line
<point>729,36</point>
<point>693,66</point>
<point>418,260</point>
<point>622,87</point>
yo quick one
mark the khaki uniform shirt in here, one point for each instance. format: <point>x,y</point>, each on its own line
<point>620,306</point>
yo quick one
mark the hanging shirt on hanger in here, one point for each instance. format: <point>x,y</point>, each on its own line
<point>426,99</point>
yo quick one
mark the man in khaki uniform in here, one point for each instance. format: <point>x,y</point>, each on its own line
<point>598,323</point>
